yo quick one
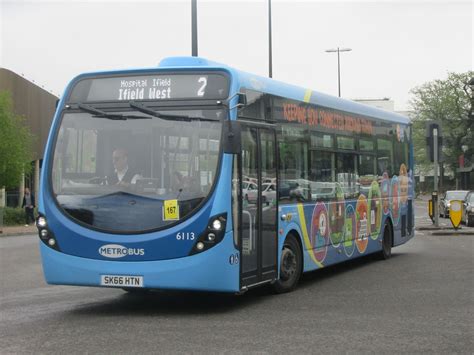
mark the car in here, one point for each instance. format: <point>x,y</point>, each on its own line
<point>468,210</point>
<point>268,193</point>
<point>445,201</point>
<point>249,187</point>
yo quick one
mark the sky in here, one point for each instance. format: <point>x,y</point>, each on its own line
<point>396,45</point>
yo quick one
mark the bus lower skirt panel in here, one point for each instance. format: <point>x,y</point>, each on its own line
<point>208,271</point>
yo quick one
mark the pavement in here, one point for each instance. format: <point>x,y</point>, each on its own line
<point>420,301</point>
<point>8,231</point>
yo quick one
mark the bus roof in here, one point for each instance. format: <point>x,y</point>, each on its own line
<point>275,87</point>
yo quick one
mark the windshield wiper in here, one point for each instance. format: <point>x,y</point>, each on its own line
<point>144,109</point>
<point>111,116</point>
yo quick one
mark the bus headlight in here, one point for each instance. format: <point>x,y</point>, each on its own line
<point>217,225</point>
<point>45,234</point>
<point>41,222</point>
<point>213,234</point>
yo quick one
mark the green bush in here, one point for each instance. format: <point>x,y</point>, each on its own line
<point>13,216</point>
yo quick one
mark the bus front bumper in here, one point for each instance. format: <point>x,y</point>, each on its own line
<point>211,270</point>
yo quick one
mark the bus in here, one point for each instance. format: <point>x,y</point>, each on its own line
<point>196,176</point>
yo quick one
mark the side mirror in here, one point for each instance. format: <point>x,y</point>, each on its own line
<point>242,99</point>
<point>231,135</point>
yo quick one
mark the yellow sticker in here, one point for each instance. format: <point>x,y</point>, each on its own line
<point>170,210</point>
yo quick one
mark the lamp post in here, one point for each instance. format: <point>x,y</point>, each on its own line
<point>194,36</point>
<point>270,65</point>
<point>338,50</point>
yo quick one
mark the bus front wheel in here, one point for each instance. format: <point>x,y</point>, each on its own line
<point>290,265</point>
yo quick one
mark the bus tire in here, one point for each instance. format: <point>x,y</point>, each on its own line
<point>291,265</point>
<point>387,242</point>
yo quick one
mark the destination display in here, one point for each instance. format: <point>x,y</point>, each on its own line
<point>207,86</point>
<point>316,116</point>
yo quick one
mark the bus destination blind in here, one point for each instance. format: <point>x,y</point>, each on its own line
<point>152,87</point>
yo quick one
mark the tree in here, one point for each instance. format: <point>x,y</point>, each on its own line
<point>15,144</point>
<point>449,103</point>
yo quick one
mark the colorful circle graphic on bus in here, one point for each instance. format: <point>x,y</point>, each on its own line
<point>395,200</point>
<point>385,190</point>
<point>363,228</point>
<point>375,210</point>
<point>403,177</point>
<point>336,217</point>
<point>349,231</point>
<point>320,231</point>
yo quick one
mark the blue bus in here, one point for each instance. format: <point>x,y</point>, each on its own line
<point>196,176</point>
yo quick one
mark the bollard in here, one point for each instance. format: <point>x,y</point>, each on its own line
<point>430,210</point>
<point>434,199</point>
<point>455,213</point>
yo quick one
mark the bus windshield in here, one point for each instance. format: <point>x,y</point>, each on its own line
<point>117,174</point>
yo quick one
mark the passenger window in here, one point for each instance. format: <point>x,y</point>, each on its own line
<point>345,143</point>
<point>321,140</point>
<point>366,145</point>
<point>366,165</point>
<point>322,166</point>
<point>346,169</point>
<point>384,157</point>
<point>322,175</point>
<point>293,168</point>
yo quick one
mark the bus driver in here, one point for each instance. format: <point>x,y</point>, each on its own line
<point>123,176</point>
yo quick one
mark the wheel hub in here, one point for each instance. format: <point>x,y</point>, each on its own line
<point>288,264</point>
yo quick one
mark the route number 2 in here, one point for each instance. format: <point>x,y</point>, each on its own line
<point>202,80</point>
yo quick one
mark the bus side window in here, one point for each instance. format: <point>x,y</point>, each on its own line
<point>384,157</point>
<point>293,169</point>
<point>367,164</point>
<point>346,166</point>
<point>400,154</point>
<point>322,175</point>
<point>346,169</point>
<point>322,171</point>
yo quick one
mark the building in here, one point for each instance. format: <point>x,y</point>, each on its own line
<point>37,105</point>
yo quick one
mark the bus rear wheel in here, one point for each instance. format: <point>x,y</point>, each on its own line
<point>290,266</point>
<point>387,241</point>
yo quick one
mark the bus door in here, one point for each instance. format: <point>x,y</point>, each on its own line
<point>259,237</point>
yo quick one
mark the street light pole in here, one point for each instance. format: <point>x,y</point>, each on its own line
<point>338,50</point>
<point>270,69</point>
<point>194,37</point>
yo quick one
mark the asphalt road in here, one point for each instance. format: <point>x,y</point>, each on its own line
<point>421,300</point>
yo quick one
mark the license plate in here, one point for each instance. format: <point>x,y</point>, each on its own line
<point>121,281</point>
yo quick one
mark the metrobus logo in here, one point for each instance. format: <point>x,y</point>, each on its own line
<point>119,251</point>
